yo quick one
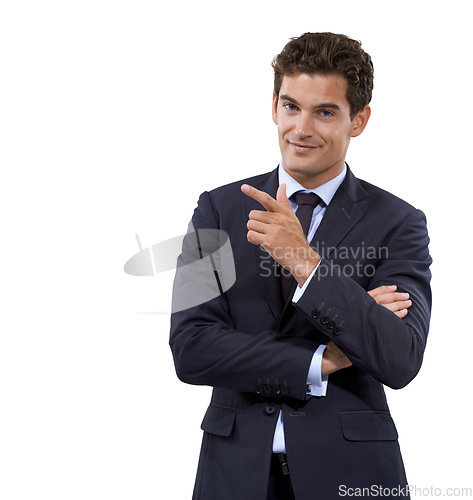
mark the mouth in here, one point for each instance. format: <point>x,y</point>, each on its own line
<point>300,147</point>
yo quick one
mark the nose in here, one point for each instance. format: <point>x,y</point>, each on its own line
<point>304,126</point>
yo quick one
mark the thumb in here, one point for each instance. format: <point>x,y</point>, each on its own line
<point>281,196</point>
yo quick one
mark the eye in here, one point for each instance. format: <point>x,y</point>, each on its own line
<point>290,107</point>
<point>326,112</point>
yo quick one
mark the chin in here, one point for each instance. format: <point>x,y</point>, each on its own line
<point>305,170</point>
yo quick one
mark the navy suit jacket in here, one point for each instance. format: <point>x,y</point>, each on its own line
<point>255,350</point>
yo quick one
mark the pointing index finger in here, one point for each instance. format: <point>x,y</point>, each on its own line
<point>265,199</point>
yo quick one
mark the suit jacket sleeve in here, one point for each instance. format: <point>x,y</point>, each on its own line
<point>372,337</point>
<point>209,350</point>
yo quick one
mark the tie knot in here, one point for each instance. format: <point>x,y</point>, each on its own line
<point>310,199</point>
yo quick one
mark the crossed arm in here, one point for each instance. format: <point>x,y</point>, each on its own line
<point>333,358</point>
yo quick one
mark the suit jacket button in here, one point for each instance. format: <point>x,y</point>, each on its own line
<point>315,314</point>
<point>337,330</point>
<point>324,320</point>
<point>267,388</point>
<point>331,325</point>
<point>284,390</point>
<point>269,409</point>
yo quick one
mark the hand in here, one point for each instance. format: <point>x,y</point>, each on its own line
<point>279,232</point>
<point>396,302</point>
<point>333,359</point>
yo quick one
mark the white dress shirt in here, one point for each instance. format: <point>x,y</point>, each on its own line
<point>325,192</point>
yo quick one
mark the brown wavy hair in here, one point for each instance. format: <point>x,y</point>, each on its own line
<point>328,54</point>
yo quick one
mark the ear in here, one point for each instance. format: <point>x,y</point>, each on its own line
<point>360,121</point>
<point>275,108</point>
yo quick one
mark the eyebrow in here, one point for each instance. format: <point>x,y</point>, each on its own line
<point>324,105</point>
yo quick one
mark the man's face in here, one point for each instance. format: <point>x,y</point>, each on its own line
<point>314,126</point>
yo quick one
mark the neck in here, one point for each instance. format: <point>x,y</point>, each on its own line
<point>312,181</point>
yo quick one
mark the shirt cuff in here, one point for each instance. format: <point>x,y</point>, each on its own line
<point>300,290</point>
<point>317,383</point>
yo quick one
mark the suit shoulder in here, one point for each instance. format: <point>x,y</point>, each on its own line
<point>220,196</point>
<point>385,200</point>
<point>222,201</point>
<point>235,186</point>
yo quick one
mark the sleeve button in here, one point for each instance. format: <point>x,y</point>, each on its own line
<point>324,320</point>
<point>315,314</point>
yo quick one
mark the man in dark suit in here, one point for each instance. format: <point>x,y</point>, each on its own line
<point>296,350</point>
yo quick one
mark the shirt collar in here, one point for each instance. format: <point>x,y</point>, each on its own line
<point>326,191</point>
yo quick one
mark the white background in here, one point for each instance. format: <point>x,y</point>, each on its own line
<point>110,108</point>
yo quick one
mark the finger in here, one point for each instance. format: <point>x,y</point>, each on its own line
<point>402,313</point>
<point>398,306</point>
<point>257,238</point>
<point>387,298</point>
<point>382,289</point>
<point>263,216</point>
<point>257,226</point>
<point>281,196</point>
<point>265,199</point>
<point>406,303</point>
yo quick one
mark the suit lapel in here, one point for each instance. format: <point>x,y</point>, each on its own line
<point>342,214</point>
